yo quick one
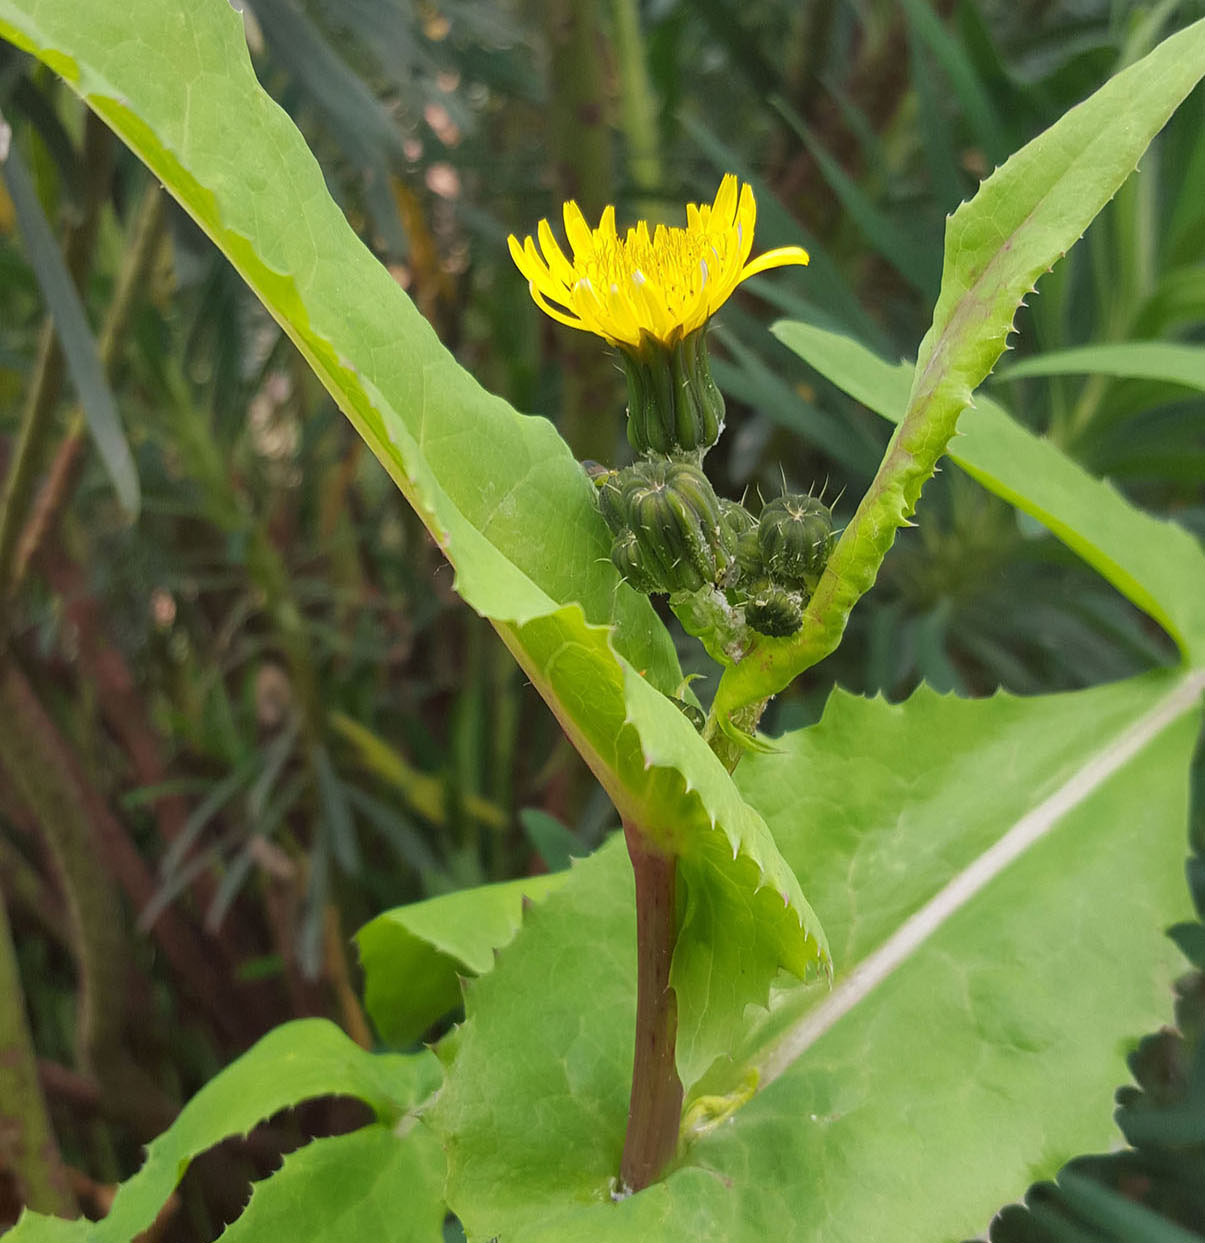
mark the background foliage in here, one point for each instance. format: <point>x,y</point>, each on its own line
<point>260,690</point>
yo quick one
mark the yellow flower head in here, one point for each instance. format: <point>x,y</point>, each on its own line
<point>661,285</point>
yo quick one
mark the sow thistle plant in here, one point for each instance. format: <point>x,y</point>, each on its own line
<point>651,294</point>
<point>965,852</point>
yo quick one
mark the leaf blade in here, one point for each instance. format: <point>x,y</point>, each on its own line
<point>1138,360</point>
<point>1023,219</point>
<point>299,1060</point>
<point>929,1102</point>
<point>1156,564</point>
<point>413,955</point>
<point>399,1181</point>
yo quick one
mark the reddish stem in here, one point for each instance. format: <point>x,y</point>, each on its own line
<point>655,1112</point>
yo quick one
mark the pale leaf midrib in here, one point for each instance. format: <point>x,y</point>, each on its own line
<point>1024,833</point>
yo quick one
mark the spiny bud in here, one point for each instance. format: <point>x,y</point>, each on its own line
<point>674,405</point>
<point>773,609</point>
<point>795,535</point>
<point>665,516</point>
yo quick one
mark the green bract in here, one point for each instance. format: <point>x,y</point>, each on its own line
<point>673,403</point>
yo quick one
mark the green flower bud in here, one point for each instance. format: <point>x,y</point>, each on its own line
<point>738,539</point>
<point>627,558</point>
<point>774,610</point>
<point>735,523</point>
<point>673,403</point>
<point>666,520</point>
<point>794,536</point>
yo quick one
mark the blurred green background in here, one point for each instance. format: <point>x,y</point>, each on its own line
<point>235,727</point>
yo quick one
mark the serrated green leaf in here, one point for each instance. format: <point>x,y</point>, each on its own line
<point>1022,220</point>
<point>502,494</point>
<point>413,956</point>
<point>297,1061</point>
<point>1156,564</point>
<point>34,1227</point>
<point>370,1184</point>
<point>555,1017</point>
<point>920,1099</point>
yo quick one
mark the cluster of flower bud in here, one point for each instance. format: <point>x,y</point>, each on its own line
<point>781,561</point>
<point>673,534</point>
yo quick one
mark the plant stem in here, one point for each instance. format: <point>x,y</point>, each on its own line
<point>655,1112</point>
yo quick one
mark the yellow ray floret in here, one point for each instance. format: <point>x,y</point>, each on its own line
<point>662,284</point>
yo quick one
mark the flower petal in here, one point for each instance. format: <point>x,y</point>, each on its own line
<point>559,266</point>
<point>556,313</point>
<point>746,218</point>
<point>780,258</point>
<point>578,233</point>
<point>653,313</point>
<point>621,314</point>
<point>724,207</point>
<point>606,225</point>
<point>657,282</point>
<point>516,253</point>
<point>536,271</point>
<point>593,310</point>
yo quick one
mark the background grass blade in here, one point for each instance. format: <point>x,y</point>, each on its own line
<point>1137,360</point>
<point>71,324</point>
